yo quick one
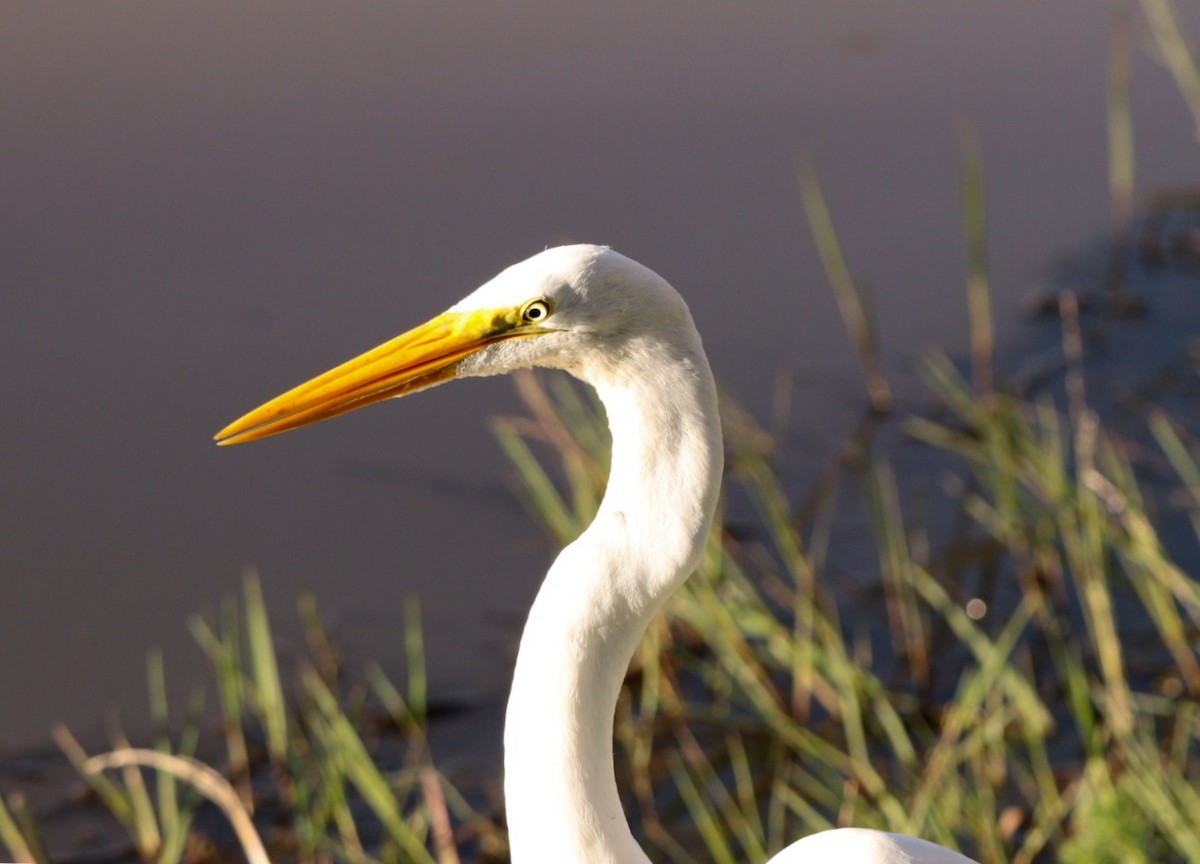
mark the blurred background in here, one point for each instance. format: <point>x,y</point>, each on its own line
<point>205,204</point>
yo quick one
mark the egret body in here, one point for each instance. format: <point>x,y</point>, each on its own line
<point>621,328</point>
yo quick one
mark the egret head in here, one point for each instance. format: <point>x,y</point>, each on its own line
<point>571,307</point>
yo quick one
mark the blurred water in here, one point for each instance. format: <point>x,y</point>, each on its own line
<point>207,203</point>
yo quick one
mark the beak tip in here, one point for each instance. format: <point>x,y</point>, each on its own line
<point>228,435</point>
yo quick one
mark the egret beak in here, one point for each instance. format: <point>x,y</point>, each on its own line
<point>422,357</point>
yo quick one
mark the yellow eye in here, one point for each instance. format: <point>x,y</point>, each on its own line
<point>535,311</point>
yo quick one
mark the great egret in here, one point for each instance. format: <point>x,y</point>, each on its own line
<point>622,329</point>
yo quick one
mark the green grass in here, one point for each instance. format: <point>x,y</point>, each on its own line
<point>295,770</point>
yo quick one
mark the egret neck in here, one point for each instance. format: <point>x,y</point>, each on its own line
<point>599,596</point>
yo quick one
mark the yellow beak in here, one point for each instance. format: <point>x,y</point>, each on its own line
<point>424,356</point>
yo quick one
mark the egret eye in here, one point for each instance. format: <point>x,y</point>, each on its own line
<point>535,310</point>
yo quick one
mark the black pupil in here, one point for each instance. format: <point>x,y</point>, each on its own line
<point>534,312</point>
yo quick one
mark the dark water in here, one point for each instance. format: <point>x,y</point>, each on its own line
<point>206,203</point>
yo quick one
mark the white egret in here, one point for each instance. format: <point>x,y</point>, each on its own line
<point>621,328</point>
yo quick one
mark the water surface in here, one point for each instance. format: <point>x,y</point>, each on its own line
<point>207,203</point>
